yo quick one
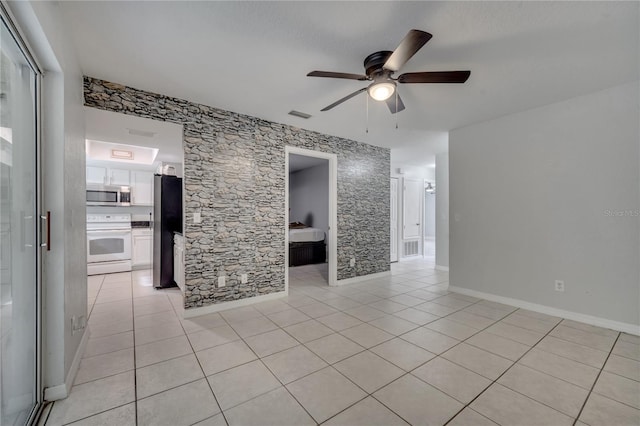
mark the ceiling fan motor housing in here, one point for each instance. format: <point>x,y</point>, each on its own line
<point>373,63</point>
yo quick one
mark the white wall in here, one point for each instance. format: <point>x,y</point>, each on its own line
<point>552,193</point>
<point>430,215</point>
<point>309,196</point>
<point>63,165</point>
<point>442,211</point>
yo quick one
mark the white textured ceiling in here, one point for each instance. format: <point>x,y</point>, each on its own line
<point>253,57</point>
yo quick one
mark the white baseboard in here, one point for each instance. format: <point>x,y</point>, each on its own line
<point>575,316</point>
<point>362,278</point>
<point>62,390</point>
<point>442,268</point>
<point>223,306</point>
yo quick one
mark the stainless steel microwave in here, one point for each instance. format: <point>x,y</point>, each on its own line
<point>108,195</point>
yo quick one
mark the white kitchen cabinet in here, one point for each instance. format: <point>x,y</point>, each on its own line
<point>97,175</point>
<point>119,177</point>
<point>108,176</point>
<point>141,188</point>
<point>178,260</point>
<point>142,249</point>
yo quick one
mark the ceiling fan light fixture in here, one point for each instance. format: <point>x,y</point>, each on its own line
<point>381,91</point>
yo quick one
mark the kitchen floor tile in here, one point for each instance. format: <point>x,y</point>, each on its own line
<point>622,366</point>
<point>452,328</point>
<point>223,357</point>
<point>291,364</point>
<point>416,316</point>
<point>417,402</point>
<point>402,353</point>
<point>337,393</point>
<point>455,381</point>
<point>600,410</point>
<point>100,366</point>
<point>94,397</point>
<point>573,351</point>
<point>162,350</point>
<point>165,375</point>
<point>618,388</point>
<point>366,335</point>
<point>334,348</point>
<point>498,345</point>
<point>208,338</point>
<point>240,384</point>
<point>430,340</point>
<point>507,407</point>
<point>573,372</point>
<point>393,325</point>
<point>276,408</point>
<point>339,321</point>
<point>184,405</point>
<point>308,330</point>
<point>112,343</point>
<point>468,417</point>
<point>121,416</point>
<point>288,317</point>
<point>480,361</point>
<point>368,412</point>
<point>271,342</point>
<point>368,371</point>
<point>555,393</point>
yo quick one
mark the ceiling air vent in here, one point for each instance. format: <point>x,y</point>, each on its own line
<point>299,114</point>
<point>144,133</point>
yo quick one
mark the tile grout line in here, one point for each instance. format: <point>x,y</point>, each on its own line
<point>502,374</point>
<point>584,404</point>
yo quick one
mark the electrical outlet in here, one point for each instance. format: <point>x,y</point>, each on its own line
<point>559,285</point>
<point>352,262</point>
<point>222,281</point>
<point>196,217</point>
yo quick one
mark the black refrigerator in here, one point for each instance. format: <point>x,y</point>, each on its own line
<point>167,219</point>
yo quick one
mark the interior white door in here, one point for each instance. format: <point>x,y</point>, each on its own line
<point>412,216</point>
<point>394,219</point>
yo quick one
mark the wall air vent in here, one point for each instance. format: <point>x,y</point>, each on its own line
<point>411,248</point>
<point>299,114</point>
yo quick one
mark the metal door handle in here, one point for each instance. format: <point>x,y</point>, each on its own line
<point>47,220</point>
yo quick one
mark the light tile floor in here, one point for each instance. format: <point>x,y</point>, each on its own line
<point>388,351</point>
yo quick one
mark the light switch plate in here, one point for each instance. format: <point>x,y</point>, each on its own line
<point>196,217</point>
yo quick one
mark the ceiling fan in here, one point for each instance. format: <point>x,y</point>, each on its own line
<point>380,66</point>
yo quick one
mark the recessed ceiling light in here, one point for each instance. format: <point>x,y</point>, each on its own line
<point>121,154</point>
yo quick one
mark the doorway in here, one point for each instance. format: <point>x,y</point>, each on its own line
<point>20,224</point>
<point>310,217</point>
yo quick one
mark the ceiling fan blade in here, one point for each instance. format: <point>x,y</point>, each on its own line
<point>346,98</point>
<point>331,74</point>
<point>391,103</point>
<point>435,77</point>
<point>409,45</point>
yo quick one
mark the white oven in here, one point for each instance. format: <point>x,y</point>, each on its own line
<point>108,243</point>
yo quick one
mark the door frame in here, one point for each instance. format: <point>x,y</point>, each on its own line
<point>41,233</point>
<point>398,219</point>
<point>332,246</point>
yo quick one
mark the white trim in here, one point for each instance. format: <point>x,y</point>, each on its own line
<point>575,316</point>
<point>62,391</point>
<point>362,278</point>
<point>332,240</point>
<point>442,268</point>
<point>223,306</point>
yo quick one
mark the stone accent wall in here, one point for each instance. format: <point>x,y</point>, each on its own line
<point>234,171</point>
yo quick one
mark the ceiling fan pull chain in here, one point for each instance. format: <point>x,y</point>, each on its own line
<point>396,109</point>
<point>367,127</point>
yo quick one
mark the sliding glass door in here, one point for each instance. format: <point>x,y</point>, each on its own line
<point>19,226</point>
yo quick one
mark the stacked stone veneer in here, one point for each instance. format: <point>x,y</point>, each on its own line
<point>234,174</point>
